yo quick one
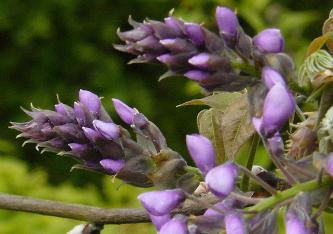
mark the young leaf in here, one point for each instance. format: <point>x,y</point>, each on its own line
<point>227,128</point>
<point>210,125</point>
<point>219,100</point>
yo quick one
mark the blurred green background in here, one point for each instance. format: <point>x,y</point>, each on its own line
<point>51,47</point>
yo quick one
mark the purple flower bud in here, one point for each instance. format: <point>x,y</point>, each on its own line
<point>161,202</point>
<point>91,134</point>
<point>275,145</point>
<point>112,166</point>
<point>278,107</point>
<point>224,206</point>
<point>125,112</point>
<point>177,225</point>
<point>202,152</point>
<point>294,225</point>
<point>269,41</point>
<point>90,100</point>
<point>221,179</point>
<point>78,149</point>
<point>175,24</point>
<point>227,22</point>
<point>271,77</point>
<point>329,166</point>
<point>200,60</point>
<point>110,131</point>
<point>177,45</point>
<point>234,224</point>
<point>195,32</point>
<point>159,221</point>
<point>197,75</point>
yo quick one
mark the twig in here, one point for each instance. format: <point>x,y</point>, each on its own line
<point>250,160</point>
<point>258,180</point>
<point>85,213</point>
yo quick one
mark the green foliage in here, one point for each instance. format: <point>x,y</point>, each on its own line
<point>17,179</point>
<point>226,123</point>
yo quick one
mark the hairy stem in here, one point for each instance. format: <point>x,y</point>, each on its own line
<point>289,193</point>
<point>250,160</point>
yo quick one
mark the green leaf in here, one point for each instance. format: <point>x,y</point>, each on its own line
<point>219,100</point>
<point>228,128</point>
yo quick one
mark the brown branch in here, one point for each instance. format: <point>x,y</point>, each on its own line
<point>88,213</point>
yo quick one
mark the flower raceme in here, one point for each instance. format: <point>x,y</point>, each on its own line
<point>87,133</point>
<point>191,50</point>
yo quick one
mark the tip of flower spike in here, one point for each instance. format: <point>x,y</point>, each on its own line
<point>125,112</point>
<point>202,151</point>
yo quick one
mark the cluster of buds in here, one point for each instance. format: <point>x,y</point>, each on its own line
<point>220,181</point>
<point>86,133</point>
<point>215,62</point>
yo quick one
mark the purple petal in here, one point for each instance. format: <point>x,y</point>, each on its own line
<point>224,206</point>
<point>195,33</point>
<point>221,179</point>
<point>177,225</point>
<point>234,224</point>
<point>112,166</point>
<point>275,145</point>
<point>110,131</point>
<point>257,124</point>
<point>125,112</point>
<point>159,221</point>
<point>278,107</point>
<point>91,134</point>
<point>294,225</point>
<point>200,60</point>
<point>271,77</point>
<point>90,100</point>
<point>161,202</point>
<point>78,149</point>
<point>202,152</point>
<point>197,75</point>
<point>227,22</point>
<point>269,41</point>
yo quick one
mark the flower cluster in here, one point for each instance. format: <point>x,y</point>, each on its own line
<point>220,181</point>
<point>228,61</point>
<point>87,133</point>
<point>215,62</point>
